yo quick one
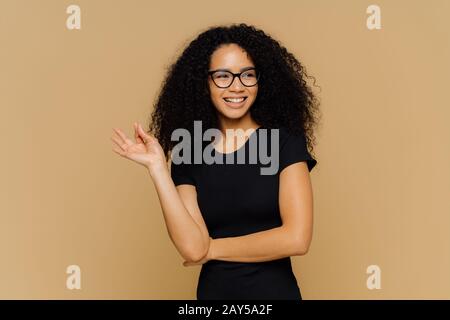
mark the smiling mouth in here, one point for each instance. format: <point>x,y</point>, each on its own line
<point>235,100</point>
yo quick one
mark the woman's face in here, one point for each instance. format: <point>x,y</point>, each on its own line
<point>233,58</point>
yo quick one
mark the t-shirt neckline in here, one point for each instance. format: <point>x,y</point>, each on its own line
<point>241,147</point>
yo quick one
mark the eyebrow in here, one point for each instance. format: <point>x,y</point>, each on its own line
<point>242,69</point>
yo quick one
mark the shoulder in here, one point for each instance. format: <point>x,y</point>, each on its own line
<point>287,136</point>
<point>182,166</point>
<point>293,148</point>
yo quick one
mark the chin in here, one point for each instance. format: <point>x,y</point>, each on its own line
<point>234,113</point>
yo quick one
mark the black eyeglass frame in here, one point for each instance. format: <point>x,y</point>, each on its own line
<point>210,73</point>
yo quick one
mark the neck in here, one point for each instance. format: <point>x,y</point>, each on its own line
<point>244,123</point>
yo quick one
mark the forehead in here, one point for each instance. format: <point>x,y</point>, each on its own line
<point>230,56</point>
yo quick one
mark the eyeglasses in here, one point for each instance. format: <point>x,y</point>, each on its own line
<point>224,79</point>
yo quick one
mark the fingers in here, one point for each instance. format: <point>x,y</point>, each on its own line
<point>122,146</point>
<point>123,137</point>
<point>120,152</point>
<point>190,264</point>
<point>122,142</point>
<point>119,143</point>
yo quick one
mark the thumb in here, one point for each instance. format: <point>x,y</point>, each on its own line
<point>136,134</point>
<point>143,135</point>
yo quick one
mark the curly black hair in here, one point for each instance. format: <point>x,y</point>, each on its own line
<point>284,98</point>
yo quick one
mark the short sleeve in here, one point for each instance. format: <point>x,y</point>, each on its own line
<point>294,149</point>
<point>182,173</point>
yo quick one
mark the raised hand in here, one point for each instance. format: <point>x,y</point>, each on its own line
<point>145,150</point>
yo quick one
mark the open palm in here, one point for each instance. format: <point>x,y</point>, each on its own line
<point>145,150</point>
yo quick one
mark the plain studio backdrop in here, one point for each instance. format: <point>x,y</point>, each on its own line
<point>381,186</point>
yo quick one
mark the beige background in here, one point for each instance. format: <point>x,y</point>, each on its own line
<point>381,188</point>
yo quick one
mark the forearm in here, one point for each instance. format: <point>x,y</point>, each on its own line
<point>261,246</point>
<point>183,230</point>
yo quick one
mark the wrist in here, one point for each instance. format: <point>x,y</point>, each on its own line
<point>211,250</point>
<point>157,170</point>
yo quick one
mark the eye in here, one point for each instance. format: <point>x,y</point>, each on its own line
<point>221,75</point>
<point>249,74</point>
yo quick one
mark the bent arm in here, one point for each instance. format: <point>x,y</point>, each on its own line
<point>261,246</point>
<point>186,229</point>
<point>292,238</point>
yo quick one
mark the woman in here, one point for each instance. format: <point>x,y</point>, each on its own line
<point>240,225</point>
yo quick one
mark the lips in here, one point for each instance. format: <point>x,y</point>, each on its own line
<point>235,99</point>
<point>235,102</point>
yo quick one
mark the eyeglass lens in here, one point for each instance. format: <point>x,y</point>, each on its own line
<point>225,78</point>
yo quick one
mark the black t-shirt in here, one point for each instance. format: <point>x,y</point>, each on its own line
<point>236,199</point>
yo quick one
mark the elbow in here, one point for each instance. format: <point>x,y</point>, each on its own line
<point>301,247</point>
<point>195,256</point>
<point>197,253</point>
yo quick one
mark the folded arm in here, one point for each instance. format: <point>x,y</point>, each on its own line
<point>290,239</point>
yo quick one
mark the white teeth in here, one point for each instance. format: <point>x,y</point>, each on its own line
<point>237,100</point>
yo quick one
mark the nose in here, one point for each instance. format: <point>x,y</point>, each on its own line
<point>236,85</point>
